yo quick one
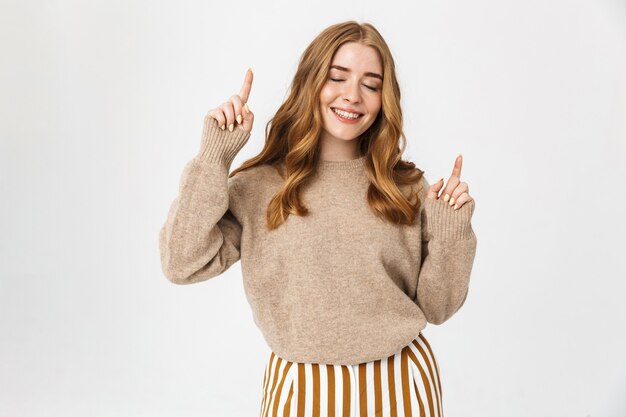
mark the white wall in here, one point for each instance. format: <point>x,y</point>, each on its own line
<point>102,105</point>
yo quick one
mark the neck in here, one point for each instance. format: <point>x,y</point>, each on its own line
<point>334,149</point>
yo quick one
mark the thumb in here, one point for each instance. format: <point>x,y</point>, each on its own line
<point>248,118</point>
<point>433,191</point>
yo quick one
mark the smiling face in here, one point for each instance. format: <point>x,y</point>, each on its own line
<point>354,84</point>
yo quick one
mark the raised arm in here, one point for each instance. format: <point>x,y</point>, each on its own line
<point>201,238</point>
<point>448,251</point>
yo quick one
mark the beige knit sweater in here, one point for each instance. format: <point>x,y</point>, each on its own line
<point>338,286</point>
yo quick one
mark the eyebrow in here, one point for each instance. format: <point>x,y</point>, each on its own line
<point>367,74</point>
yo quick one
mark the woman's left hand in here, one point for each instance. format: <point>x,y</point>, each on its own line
<point>456,193</point>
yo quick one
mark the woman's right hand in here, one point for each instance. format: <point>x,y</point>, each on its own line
<point>235,111</point>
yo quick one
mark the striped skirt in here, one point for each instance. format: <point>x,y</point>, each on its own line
<point>402,385</point>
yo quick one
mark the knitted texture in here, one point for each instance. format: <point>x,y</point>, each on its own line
<point>337,286</point>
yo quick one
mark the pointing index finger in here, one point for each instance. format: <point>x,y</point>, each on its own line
<point>456,171</point>
<point>247,85</point>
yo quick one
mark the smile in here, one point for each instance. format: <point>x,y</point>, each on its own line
<point>346,117</point>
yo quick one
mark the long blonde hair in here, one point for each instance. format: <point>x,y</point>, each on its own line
<point>292,143</point>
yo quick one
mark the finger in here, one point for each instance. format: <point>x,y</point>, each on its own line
<point>218,115</point>
<point>237,107</point>
<point>433,190</point>
<point>463,199</point>
<point>244,93</point>
<point>248,120</point>
<point>458,162</point>
<point>229,113</point>
<point>453,182</point>
<point>457,192</point>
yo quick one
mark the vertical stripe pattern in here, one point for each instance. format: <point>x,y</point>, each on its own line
<point>403,385</point>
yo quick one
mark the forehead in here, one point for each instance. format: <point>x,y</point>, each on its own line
<point>358,57</point>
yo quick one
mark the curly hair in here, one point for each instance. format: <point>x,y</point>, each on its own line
<point>292,136</point>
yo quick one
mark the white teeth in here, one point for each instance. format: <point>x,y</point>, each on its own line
<point>346,114</point>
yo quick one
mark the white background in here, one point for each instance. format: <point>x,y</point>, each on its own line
<point>102,104</point>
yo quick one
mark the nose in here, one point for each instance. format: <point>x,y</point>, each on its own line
<point>352,92</point>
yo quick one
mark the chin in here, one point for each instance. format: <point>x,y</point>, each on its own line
<point>341,135</point>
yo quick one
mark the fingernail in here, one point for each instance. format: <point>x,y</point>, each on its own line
<point>456,206</point>
<point>230,127</point>
<point>223,127</point>
<point>446,197</point>
<point>246,108</point>
<point>239,118</point>
<point>452,201</point>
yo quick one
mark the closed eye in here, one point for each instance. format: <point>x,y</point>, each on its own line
<point>366,86</point>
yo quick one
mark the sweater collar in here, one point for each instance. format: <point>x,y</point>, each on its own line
<point>350,164</point>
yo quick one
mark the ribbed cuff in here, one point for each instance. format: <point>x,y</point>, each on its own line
<point>219,145</point>
<point>445,223</point>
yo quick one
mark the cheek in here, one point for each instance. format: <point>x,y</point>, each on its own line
<point>325,96</point>
<point>376,105</point>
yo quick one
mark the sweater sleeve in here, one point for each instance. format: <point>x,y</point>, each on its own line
<point>448,251</point>
<point>201,237</point>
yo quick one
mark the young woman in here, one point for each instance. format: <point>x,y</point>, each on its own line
<point>347,252</point>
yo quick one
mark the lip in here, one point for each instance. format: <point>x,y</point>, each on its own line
<point>347,109</point>
<point>346,121</point>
